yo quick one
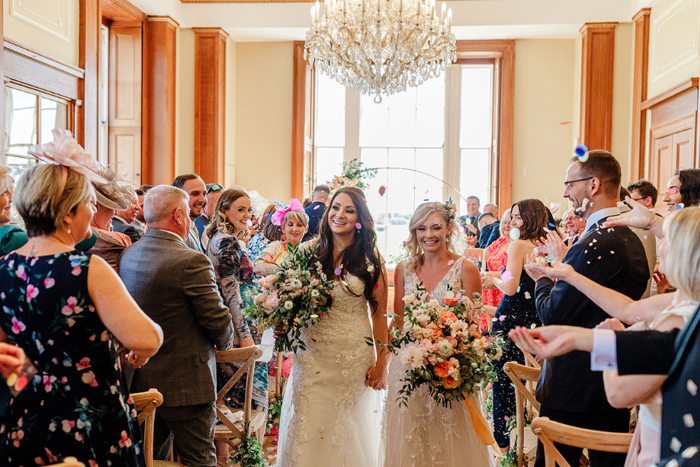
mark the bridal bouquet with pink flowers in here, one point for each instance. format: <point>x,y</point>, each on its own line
<point>442,347</point>
<point>295,296</point>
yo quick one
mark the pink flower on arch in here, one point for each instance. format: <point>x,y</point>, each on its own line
<point>17,326</point>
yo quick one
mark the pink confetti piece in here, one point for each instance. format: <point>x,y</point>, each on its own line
<point>451,262</point>
<point>338,271</point>
<point>502,318</point>
<point>358,226</point>
<point>316,207</point>
<point>458,296</point>
<point>506,276</point>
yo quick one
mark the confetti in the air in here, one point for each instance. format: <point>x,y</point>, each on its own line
<point>249,223</point>
<point>506,276</point>
<point>528,296</point>
<point>358,226</point>
<point>382,190</point>
<point>680,206</point>
<point>692,387</point>
<point>451,262</point>
<point>514,233</point>
<point>581,152</point>
<point>688,420</point>
<point>317,206</point>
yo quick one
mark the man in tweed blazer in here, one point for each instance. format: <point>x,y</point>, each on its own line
<point>175,285</point>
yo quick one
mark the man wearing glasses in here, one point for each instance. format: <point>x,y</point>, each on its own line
<point>644,192</point>
<point>212,194</point>
<point>568,390</point>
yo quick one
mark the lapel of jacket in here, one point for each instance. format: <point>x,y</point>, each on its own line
<point>684,338</point>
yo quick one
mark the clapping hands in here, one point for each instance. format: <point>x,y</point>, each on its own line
<point>553,246</point>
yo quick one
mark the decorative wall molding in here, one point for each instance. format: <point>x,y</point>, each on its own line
<point>639,92</point>
<point>682,22</point>
<point>51,17</point>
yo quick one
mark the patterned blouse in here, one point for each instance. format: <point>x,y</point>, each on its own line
<point>256,245</point>
<point>232,267</point>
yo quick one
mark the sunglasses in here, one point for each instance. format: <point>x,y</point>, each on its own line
<point>214,188</point>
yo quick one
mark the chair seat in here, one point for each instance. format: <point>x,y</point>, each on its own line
<point>257,420</point>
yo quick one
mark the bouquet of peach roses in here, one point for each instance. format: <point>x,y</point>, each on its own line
<point>441,346</point>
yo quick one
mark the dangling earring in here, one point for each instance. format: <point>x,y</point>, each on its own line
<point>69,229</point>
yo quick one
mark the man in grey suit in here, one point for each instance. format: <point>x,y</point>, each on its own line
<point>176,287</point>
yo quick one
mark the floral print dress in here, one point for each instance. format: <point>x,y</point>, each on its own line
<point>76,405</point>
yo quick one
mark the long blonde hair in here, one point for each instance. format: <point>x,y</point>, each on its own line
<point>220,222</point>
<point>682,262</point>
<point>413,248</point>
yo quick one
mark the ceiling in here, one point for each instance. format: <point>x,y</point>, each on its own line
<point>263,20</point>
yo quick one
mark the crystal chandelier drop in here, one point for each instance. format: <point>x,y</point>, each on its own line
<point>380,46</point>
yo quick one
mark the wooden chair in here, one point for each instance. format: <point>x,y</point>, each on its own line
<point>68,462</point>
<point>550,432</point>
<point>523,394</point>
<point>146,404</point>
<point>229,429</point>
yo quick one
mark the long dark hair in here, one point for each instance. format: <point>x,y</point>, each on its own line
<point>360,254</point>
<point>690,186</point>
<point>535,218</point>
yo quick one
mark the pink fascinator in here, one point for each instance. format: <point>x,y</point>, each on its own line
<point>278,217</point>
<point>65,151</point>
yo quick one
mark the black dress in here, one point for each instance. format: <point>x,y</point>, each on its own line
<point>514,310</point>
<point>76,405</point>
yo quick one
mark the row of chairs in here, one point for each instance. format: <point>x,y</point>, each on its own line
<point>524,378</point>
<point>230,427</point>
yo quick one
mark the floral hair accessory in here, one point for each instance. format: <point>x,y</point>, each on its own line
<point>278,217</point>
<point>66,152</point>
<point>449,205</point>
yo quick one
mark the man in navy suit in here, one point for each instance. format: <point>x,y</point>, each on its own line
<point>321,196</point>
<point>568,391</point>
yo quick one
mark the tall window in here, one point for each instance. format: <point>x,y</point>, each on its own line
<point>422,141</point>
<point>30,119</point>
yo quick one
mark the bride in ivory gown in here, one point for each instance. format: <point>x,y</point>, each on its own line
<point>425,433</point>
<point>331,414</point>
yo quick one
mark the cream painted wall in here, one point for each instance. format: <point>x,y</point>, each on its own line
<point>264,79</point>
<point>543,132</point>
<point>674,44</point>
<point>36,36</point>
<point>230,145</point>
<point>184,120</point>
<point>576,120</point>
<point>623,81</point>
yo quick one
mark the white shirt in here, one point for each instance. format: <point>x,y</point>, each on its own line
<point>604,353</point>
<point>598,215</point>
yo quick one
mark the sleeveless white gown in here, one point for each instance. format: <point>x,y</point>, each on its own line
<point>329,416</point>
<point>425,433</point>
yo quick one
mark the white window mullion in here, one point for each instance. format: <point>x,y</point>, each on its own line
<point>352,125</point>
<point>452,155</point>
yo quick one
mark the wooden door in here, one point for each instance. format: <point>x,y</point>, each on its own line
<point>668,154</point>
<point>125,102</point>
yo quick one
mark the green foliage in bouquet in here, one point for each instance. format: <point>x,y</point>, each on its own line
<point>275,411</point>
<point>249,453</point>
<point>441,347</point>
<point>353,175</point>
<point>295,296</point>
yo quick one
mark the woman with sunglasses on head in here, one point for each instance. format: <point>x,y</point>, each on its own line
<point>330,409</point>
<point>423,431</point>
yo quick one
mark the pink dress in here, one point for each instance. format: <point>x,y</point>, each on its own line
<point>498,258</point>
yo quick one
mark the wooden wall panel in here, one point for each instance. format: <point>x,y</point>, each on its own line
<point>159,78</point>
<point>303,109</point>
<point>597,85</point>
<point>210,101</point>
<point>639,92</point>
<point>125,98</point>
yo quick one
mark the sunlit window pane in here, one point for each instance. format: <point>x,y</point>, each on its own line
<point>476,102</point>
<point>374,122</point>
<point>330,112</point>
<point>430,120</point>
<point>329,162</point>
<point>429,176</point>
<point>474,175</point>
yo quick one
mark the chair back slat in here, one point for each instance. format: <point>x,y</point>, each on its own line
<point>517,373</point>
<point>146,404</point>
<point>550,432</point>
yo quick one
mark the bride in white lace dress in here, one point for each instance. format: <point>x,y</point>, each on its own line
<point>424,433</point>
<point>331,414</point>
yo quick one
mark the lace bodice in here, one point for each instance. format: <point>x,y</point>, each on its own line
<point>452,280</point>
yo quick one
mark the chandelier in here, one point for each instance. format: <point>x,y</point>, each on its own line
<point>380,46</point>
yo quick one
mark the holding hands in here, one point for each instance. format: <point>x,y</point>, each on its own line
<point>376,378</point>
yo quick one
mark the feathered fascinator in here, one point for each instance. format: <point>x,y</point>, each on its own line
<point>280,211</point>
<point>113,195</point>
<point>66,152</point>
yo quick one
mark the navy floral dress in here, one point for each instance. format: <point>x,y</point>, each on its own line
<point>76,405</point>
